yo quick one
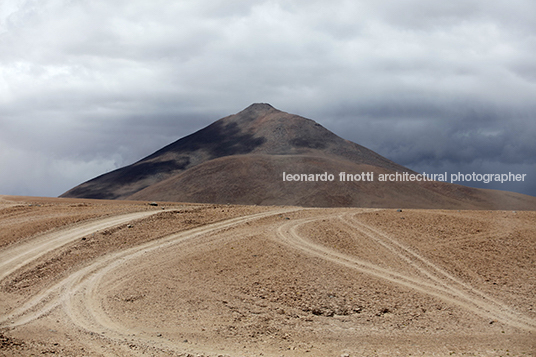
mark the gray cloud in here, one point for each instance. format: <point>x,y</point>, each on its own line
<point>89,86</point>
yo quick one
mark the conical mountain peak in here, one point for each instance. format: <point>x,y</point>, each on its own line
<point>260,107</point>
<point>242,159</point>
<point>252,113</point>
<point>259,129</point>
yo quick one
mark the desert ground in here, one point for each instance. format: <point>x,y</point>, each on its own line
<point>129,278</point>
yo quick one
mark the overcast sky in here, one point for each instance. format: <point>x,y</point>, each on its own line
<point>88,86</point>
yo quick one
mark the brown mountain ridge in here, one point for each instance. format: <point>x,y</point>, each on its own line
<point>241,159</point>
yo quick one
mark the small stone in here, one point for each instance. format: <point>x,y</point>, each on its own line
<point>383,312</point>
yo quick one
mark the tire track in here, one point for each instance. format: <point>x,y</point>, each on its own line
<point>80,296</point>
<point>435,281</point>
<point>15,257</point>
<point>78,293</point>
<point>417,261</point>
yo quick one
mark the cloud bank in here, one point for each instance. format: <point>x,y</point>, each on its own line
<point>90,86</point>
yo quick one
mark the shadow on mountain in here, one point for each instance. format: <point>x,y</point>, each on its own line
<point>218,139</point>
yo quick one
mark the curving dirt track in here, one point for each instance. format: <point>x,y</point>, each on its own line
<point>18,255</point>
<point>429,278</point>
<point>228,280</point>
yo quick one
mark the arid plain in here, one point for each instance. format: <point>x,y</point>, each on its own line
<point>127,278</point>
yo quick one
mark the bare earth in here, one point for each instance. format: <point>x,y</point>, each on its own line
<point>125,278</point>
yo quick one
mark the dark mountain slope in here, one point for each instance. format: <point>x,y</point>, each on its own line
<point>259,129</point>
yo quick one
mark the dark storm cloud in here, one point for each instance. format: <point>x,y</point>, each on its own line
<point>460,132</point>
<point>89,86</point>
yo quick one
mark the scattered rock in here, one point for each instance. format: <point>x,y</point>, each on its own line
<point>383,312</point>
<point>8,342</point>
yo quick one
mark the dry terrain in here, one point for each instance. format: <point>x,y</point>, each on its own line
<point>128,278</point>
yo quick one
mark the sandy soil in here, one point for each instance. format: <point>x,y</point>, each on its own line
<point>125,278</point>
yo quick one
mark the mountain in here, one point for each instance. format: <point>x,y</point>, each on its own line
<point>241,159</point>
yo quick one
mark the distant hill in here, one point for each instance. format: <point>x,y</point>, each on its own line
<point>241,159</point>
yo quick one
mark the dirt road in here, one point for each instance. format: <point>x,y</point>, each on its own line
<point>18,255</point>
<point>429,278</point>
<point>250,281</point>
